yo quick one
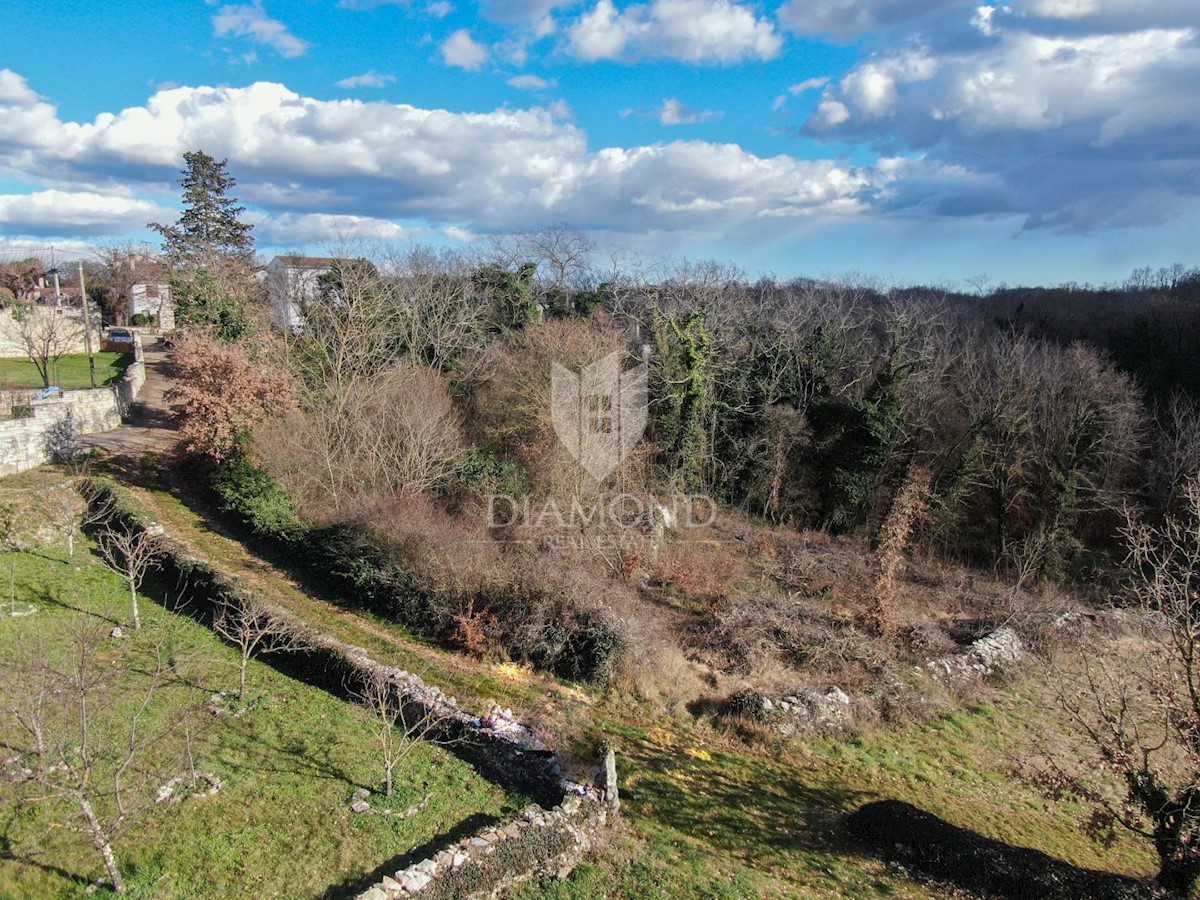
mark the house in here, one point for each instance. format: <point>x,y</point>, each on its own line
<point>153,300</point>
<point>291,280</point>
<point>147,291</point>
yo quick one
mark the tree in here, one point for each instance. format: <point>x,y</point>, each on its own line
<point>84,734</point>
<point>21,279</point>
<point>47,334</point>
<point>211,251</point>
<point>1135,709</point>
<point>209,228</point>
<point>129,554</point>
<point>398,728</point>
<point>254,629</point>
<point>222,393</point>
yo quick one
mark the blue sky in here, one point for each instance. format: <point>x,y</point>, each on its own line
<point>913,140</point>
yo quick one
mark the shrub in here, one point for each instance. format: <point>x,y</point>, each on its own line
<point>747,704</point>
<point>256,499</point>
<point>141,320</point>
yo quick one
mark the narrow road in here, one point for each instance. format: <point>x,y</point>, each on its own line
<point>148,426</point>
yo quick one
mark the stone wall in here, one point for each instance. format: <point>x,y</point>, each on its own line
<point>69,331</point>
<point>27,443</point>
<point>544,840</point>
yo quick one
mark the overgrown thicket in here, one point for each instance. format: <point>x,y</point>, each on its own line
<point>421,384</point>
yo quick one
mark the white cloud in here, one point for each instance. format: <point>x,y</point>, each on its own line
<point>672,112</point>
<point>76,212</point>
<point>1084,124</point>
<point>696,31</point>
<point>251,21</point>
<point>531,83</point>
<point>308,229</point>
<point>439,9</point>
<point>367,79</point>
<point>462,51</point>
<point>297,156</point>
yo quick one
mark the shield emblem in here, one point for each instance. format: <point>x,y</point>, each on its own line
<point>599,413</point>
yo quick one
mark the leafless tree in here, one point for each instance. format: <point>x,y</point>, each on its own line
<point>47,334</point>
<point>83,734</point>
<point>255,629</point>
<point>65,510</point>
<point>130,554</point>
<point>398,728</point>
<point>1135,705</point>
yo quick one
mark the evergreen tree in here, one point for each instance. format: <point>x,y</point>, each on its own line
<point>211,253</point>
<point>209,227</point>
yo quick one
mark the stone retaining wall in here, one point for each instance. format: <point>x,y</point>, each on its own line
<point>543,840</point>
<point>29,442</point>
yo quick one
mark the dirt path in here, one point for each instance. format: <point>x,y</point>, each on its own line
<point>148,426</point>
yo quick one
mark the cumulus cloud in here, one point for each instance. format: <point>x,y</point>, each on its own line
<point>250,21</point>
<point>296,157</point>
<point>462,51</point>
<point>673,112</point>
<point>1081,125</point>
<point>307,229</point>
<point>848,19</point>
<point>695,31</point>
<point>367,79</point>
<point>530,83</point>
<point>57,212</point>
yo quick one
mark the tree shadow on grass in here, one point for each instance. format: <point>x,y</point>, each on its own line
<point>352,887</point>
<point>54,598</point>
<point>901,832</point>
<point>759,810</point>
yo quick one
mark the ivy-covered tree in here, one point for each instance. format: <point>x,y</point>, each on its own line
<point>514,304</point>
<point>209,228</point>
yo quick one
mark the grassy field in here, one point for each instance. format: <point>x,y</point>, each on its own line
<point>70,373</point>
<point>279,827</point>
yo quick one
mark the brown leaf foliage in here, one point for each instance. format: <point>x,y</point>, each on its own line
<point>220,392</point>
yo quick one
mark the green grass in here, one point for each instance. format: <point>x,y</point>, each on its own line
<point>70,373</point>
<point>280,827</point>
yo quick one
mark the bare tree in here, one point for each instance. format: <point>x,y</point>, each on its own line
<point>47,334</point>
<point>1135,707</point>
<point>65,510</point>
<point>397,727</point>
<point>76,743</point>
<point>130,554</point>
<point>255,629</point>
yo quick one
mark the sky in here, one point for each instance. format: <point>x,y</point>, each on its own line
<point>914,141</point>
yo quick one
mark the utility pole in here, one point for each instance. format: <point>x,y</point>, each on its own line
<point>87,325</point>
<point>54,272</point>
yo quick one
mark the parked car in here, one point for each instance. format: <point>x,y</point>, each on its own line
<point>118,340</point>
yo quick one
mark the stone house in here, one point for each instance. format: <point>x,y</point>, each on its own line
<point>291,280</point>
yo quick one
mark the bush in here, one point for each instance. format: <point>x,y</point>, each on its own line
<point>747,704</point>
<point>141,320</point>
<point>256,499</point>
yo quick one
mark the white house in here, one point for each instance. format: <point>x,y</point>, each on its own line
<point>153,300</point>
<point>290,281</point>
